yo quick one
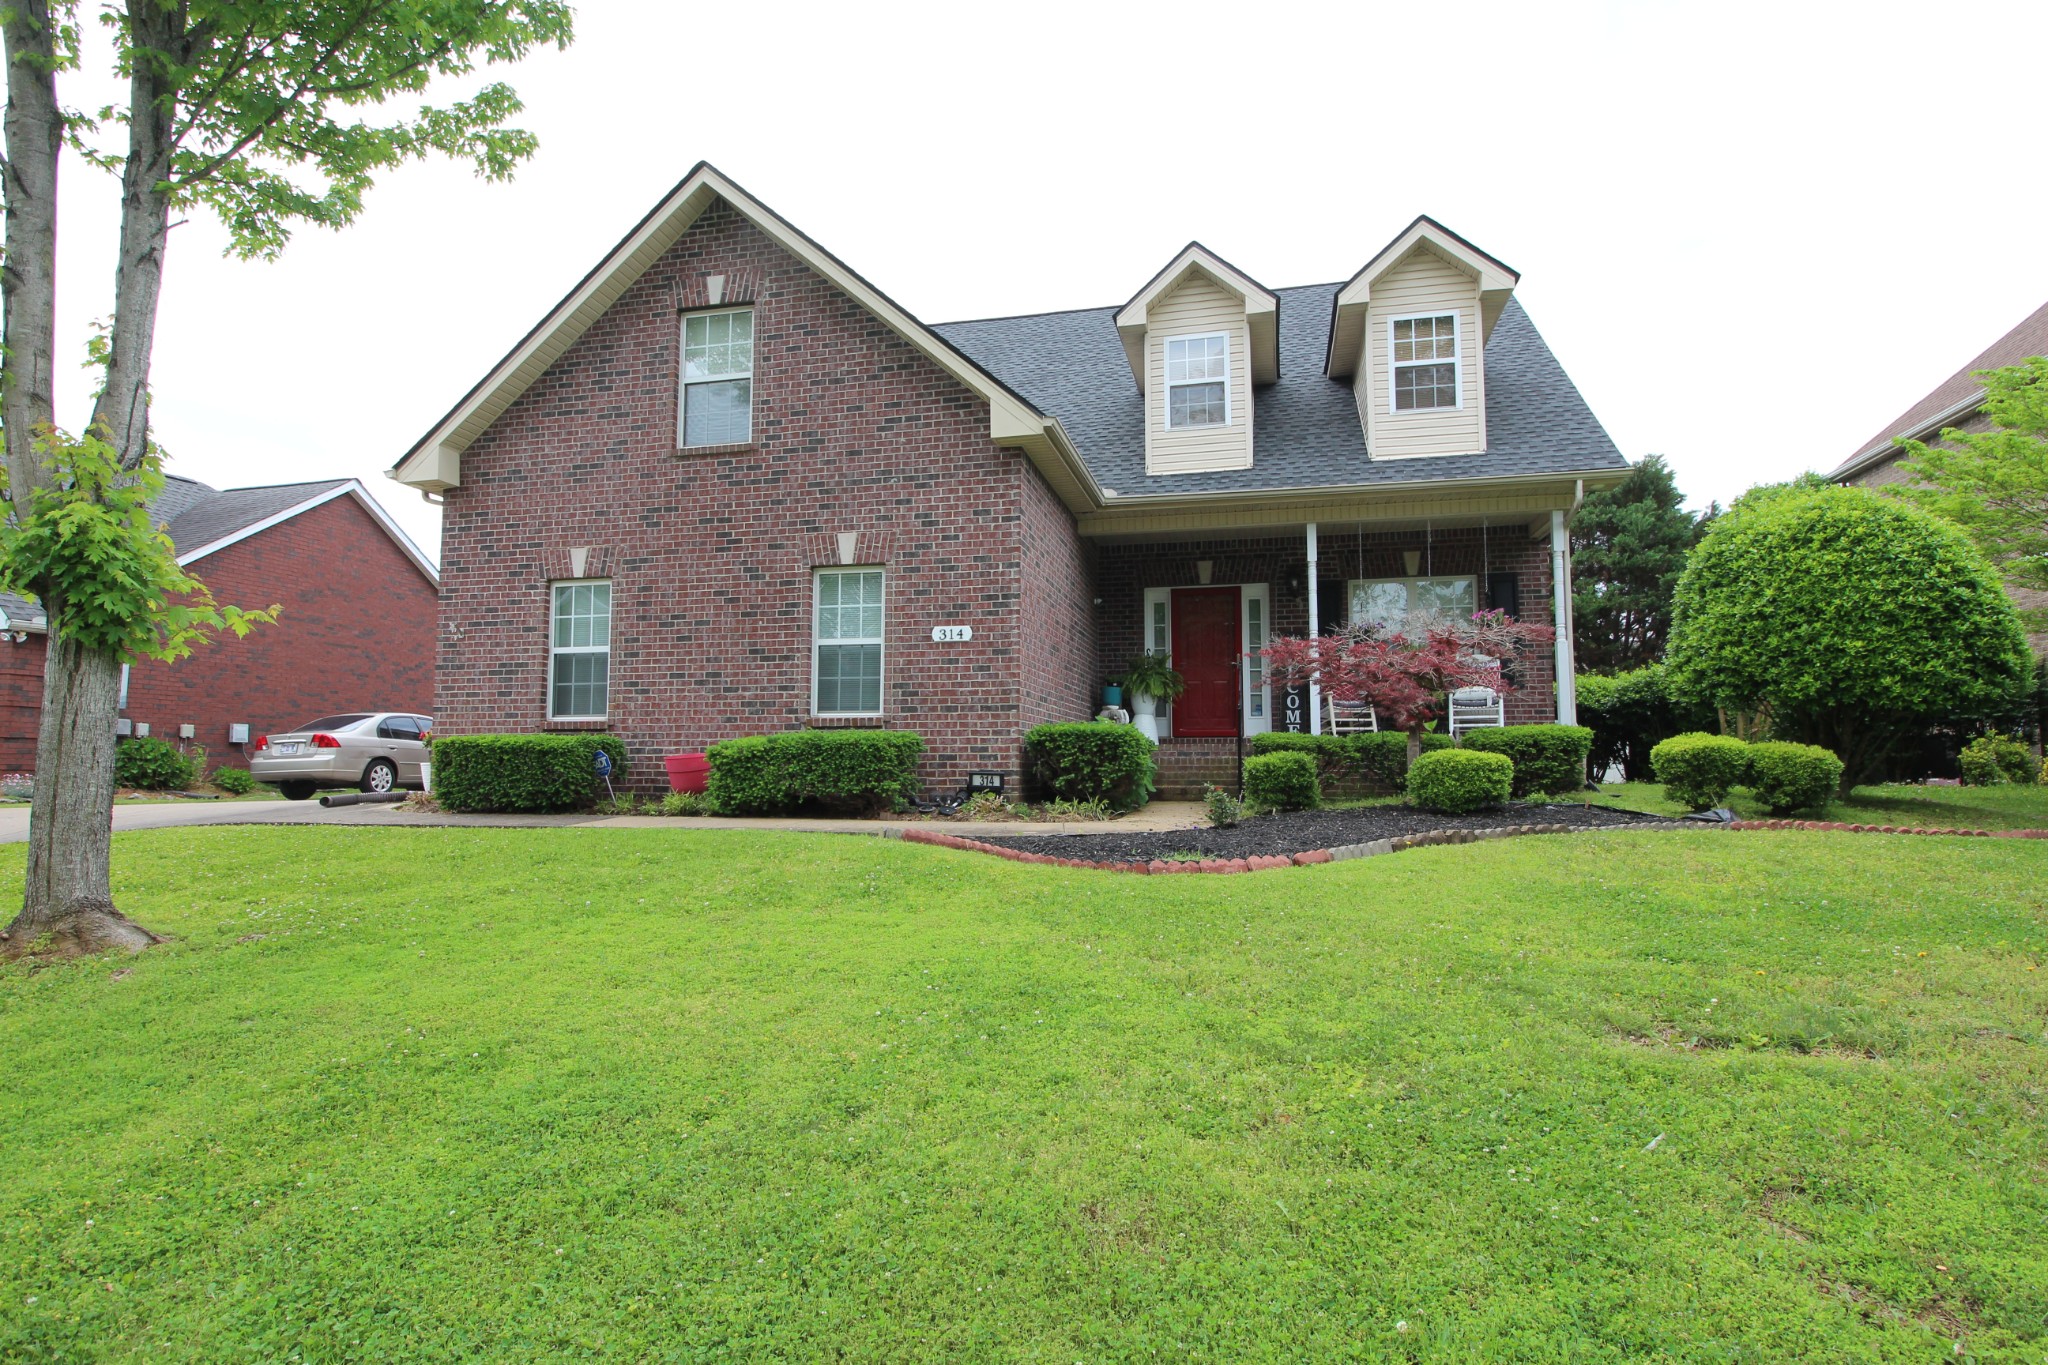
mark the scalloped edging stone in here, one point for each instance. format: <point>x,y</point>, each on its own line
<point>1837,827</point>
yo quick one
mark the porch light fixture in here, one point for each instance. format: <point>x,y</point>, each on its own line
<point>1294,582</point>
<point>1413,559</point>
<point>1204,570</point>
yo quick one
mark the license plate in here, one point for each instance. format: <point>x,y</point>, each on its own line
<point>289,748</point>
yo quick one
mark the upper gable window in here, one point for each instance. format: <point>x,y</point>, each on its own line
<point>718,378</point>
<point>1197,381</point>
<point>1425,362</point>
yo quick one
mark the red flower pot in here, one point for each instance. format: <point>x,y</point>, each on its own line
<point>687,772</point>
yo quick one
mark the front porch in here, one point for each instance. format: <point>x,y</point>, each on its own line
<point>1211,603</point>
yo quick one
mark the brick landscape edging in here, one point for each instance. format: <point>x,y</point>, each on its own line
<point>1346,852</point>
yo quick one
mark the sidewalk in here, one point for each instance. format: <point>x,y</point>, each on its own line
<point>1160,815</point>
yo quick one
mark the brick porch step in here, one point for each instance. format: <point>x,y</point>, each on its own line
<point>1186,766</point>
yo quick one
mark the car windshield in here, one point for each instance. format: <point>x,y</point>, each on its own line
<point>334,722</point>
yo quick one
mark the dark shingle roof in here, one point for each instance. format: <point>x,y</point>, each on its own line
<point>1306,429</point>
<point>21,612</point>
<point>224,513</point>
<point>179,493</point>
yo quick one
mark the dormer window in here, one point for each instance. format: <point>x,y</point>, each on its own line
<point>1425,362</point>
<point>1197,381</point>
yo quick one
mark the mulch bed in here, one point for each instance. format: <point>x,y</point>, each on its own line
<point>1304,831</point>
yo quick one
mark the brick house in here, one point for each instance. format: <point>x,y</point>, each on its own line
<point>1956,404</point>
<point>357,628</point>
<point>727,486</point>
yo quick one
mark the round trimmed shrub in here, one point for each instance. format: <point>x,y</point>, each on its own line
<point>233,781</point>
<point>1700,769</point>
<point>1282,781</point>
<point>1547,758</point>
<point>1992,760</point>
<point>1788,777</point>
<point>1454,781</point>
<point>152,764</point>
<point>1092,761</point>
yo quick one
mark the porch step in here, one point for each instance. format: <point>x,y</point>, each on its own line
<point>1187,766</point>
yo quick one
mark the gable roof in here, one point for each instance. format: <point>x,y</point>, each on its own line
<point>210,524</point>
<point>22,613</point>
<point>435,461</point>
<point>1955,397</point>
<point>1261,309</point>
<point>1347,311</point>
<point>1305,426</point>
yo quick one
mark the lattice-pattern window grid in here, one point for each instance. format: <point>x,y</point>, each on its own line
<point>718,378</point>
<point>1255,666</point>
<point>580,646</point>
<point>1158,644</point>
<point>1197,380</point>
<point>848,665</point>
<point>1425,363</point>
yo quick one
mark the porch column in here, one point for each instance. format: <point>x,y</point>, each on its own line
<point>1561,615</point>
<point>1315,704</point>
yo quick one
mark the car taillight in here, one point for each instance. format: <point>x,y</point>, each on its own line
<point>263,741</point>
<point>326,742</point>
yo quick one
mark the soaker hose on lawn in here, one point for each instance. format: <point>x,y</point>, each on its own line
<point>361,798</point>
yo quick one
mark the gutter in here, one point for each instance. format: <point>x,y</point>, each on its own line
<point>1262,496</point>
<point>1870,455</point>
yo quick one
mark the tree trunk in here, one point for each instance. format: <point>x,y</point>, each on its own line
<point>1414,743</point>
<point>68,907</point>
<point>28,281</point>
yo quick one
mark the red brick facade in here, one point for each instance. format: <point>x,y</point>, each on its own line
<point>357,632</point>
<point>711,553</point>
<point>21,700</point>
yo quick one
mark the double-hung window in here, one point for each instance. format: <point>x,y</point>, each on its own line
<point>580,651</point>
<point>718,378</point>
<point>1425,362</point>
<point>846,643</point>
<point>1197,381</point>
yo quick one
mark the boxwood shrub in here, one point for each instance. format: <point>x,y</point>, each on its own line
<point>1335,756</point>
<point>1283,781</point>
<point>1788,777</point>
<point>521,772</point>
<point>152,764</point>
<point>1093,761</point>
<point>1454,781</point>
<point>233,781</point>
<point>846,772</point>
<point>1699,769</point>
<point>1991,760</point>
<point>1547,758</point>
<point>1381,759</point>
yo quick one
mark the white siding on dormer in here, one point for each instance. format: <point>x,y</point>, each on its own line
<point>1197,306</point>
<point>1422,285</point>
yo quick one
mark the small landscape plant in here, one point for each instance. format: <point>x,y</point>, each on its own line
<point>987,806</point>
<point>1225,810</point>
<point>844,772</point>
<point>1788,777</point>
<point>152,764</point>
<point>535,773</point>
<point>1093,761</point>
<point>1992,760</point>
<point>1547,758</point>
<point>1281,782</point>
<point>1059,808</point>
<point>1457,781</point>
<point>1153,675</point>
<point>233,781</point>
<point>682,803</point>
<point>1700,769</point>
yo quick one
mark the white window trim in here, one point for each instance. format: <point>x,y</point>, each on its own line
<point>1457,318</point>
<point>1253,725</point>
<point>1167,386</point>
<point>1352,585</point>
<point>554,649</point>
<point>683,382</point>
<point>882,688</point>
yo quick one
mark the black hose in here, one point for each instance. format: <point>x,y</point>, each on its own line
<point>361,798</point>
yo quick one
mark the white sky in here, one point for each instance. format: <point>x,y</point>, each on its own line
<point>1752,233</point>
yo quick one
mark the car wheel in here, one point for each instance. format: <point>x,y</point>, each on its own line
<point>380,776</point>
<point>296,791</point>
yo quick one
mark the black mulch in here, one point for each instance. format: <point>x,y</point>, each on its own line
<point>1303,831</point>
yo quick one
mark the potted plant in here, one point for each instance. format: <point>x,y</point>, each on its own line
<point>1151,679</point>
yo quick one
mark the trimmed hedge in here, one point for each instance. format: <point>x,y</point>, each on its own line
<point>852,772</point>
<point>1992,760</point>
<point>152,764</point>
<point>1380,759</point>
<point>1788,777</point>
<point>1547,758</point>
<point>1700,769</point>
<point>1628,714</point>
<point>521,772</point>
<point>1093,761</point>
<point>1455,781</point>
<point>1284,781</point>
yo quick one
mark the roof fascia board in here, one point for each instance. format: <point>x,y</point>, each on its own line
<point>352,488</point>
<point>1008,410</point>
<point>1873,454</point>
<point>1594,478</point>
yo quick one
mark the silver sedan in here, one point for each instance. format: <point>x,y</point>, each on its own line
<point>376,751</point>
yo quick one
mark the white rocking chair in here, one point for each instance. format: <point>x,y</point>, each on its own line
<point>1476,708</point>
<point>1349,717</point>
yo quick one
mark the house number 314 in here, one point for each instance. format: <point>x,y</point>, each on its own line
<point>948,635</point>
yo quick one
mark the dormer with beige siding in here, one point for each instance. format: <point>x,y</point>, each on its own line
<point>1198,338</point>
<point>1409,331</point>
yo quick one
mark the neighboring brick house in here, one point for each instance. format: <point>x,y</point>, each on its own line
<point>1956,404</point>
<point>356,630</point>
<point>727,486</point>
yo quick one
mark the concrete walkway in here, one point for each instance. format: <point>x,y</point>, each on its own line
<point>1160,815</point>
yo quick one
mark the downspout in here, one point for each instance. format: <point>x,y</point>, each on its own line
<point>1315,704</point>
<point>1561,606</point>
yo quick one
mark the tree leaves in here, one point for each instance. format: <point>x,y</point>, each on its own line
<point>1629,545</point>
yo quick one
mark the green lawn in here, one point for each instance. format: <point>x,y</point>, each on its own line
<point>678,1095</point>
<point>2007,807</point>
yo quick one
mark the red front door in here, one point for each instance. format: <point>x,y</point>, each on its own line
<point>1205,650</point>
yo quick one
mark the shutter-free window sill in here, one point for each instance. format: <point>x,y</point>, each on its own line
<point>846,722</point>
<point>595,723</point>
<point>724,448</point>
